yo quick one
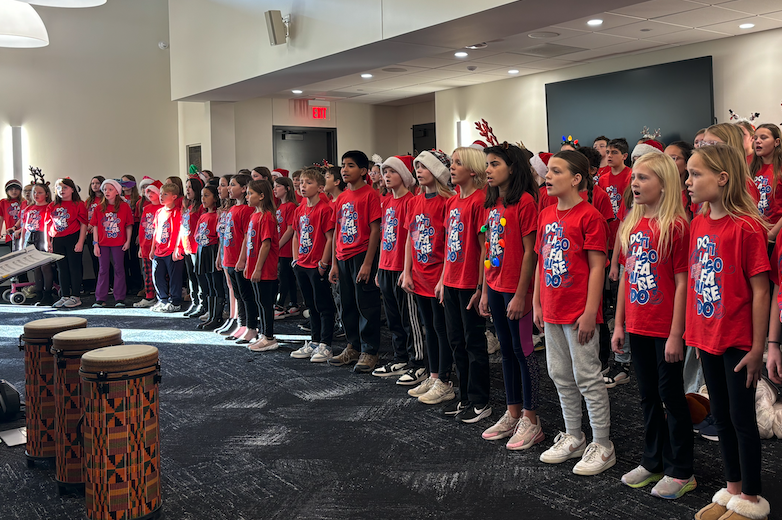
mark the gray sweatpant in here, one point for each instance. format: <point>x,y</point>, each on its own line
<point>575,370</point>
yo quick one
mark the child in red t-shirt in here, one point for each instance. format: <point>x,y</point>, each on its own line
<point>11,210</point>
<point>285,193</point>
<point>258,259</point>
<point>223,213</point>
<point>652,244</point>
<point>571,243</point>
<point>401,310</point>
<point>424,259</point>
<point>207,257</point>
<point>151,192</point>
<point>112,227</point>
<point>191,212</point>
<point>34,224</point>
<point>234,233</point>
<point>94,198</point>
<point>68,229</point>
<point>313,223</point>
<point>727,309</point>
<point>766,170</point>
<point>461,284</point>
<point>509,233</point>
<point>167,252</point>
<point>356,237</point>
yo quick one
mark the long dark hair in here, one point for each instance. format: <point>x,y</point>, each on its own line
<point>225,204</point>
<point>263,187</point>
<point>242,180</point>
<point>521,179</point>
<point>578,163</point>
<point>72,185</point>
<point>290,193</point>
<point>95,194</point>
<point>213,190</point>
<point>197,185</point>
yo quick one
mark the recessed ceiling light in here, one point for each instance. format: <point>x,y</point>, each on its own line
<point>746,26</point>
<point>366,76</point>
<point>460,54</point>
<point>474,46</point>
<point>595,22</point>
<point>297,91</point>
<point>543,35</point>
<point>513,71</point>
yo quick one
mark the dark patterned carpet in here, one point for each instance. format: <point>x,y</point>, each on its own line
<point>246,436</point>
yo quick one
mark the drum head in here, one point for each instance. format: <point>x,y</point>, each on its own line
<point>86,339</point>
<point>119,359</point>
<point>46,328</point>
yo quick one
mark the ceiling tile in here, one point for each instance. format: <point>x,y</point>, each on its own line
<point>427,62</point>
<point>777,15</point>
<point>433,74</point>
<point>366,89</point>
<point>472,54</point>
<point>657,8</point>
<point>647,29</point>
<point>610,20</point>
<point>507,58</point>
<point>753,6</point>
<point>702,17</point>
<point>462,67</point>
<point>622,48</point>
<point>761,24</point>
<point>593,40</point>
<point>690,36</point>
<point>550,64</point>
<point>382,84</point>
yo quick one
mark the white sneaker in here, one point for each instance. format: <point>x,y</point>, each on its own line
<point>526,435</point>
<point>170,308</point>
<point>439,393</point>
<point>321,354</point>
<point>565,447</point>
<point>502,428</point>
<point>59,303</point>
<point>304,352</point>
<point>73,301</point>
<point>264,344</point>
<point>157,307</point>
<point>144,304</point>
<point>597,458</point>
<point>421,389</point>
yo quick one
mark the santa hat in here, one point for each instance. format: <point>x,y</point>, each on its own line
<point>153,186</point>
<point>113,182</point>
<point>146,181</point>
<point>539,163</point>
<point>13,183</point>
<point>479,145</point>
<point>279,172</point>
<point>644,147</point>
<point>436,162</point>
<point>403,165</point>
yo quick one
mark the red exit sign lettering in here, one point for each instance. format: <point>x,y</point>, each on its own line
<point>319,112</point>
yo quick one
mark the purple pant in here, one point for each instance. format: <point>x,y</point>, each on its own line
<point>116,256</point>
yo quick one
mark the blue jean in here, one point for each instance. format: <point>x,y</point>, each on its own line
<point>168,291</point>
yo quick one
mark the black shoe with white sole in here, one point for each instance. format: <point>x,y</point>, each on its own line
<point>413,376</point>
<point>473,413</point>
<point>395,368</point>
<point>455,407</point>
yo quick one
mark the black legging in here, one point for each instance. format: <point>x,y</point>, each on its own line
<point>70,268</point>
<point>265,292</point>
<point>287,283</point>
<point>44,275</point>
<point>243,290</point>
<point>215,282</point>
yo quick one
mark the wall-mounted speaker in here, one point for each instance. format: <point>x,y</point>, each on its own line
<point>278,33</point>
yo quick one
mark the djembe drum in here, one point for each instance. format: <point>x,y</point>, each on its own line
<point>39,384</point>
<point>121,432</point>
<point>67,348</point>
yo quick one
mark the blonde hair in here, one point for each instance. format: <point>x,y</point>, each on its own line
<point>729,134</point>
<point>734,195</point>
<point>475,161</point>
<point>670,215</point>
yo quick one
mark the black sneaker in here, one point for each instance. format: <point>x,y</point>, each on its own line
<point>394,368</point>
<point>618,374</point>
<point>455,407</point>
<point>339,333</point>
<point>473,413</point>
<point>413,376</point>
<point>305,327</point>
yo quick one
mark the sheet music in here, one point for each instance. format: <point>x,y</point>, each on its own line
<point>25,260</point>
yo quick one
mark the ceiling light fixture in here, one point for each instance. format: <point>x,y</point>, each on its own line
<point>460,54</point>
<point>746,26</point>
<point>543,35</point>
<point>297,91</point>
<point>474,46</point>
<point>66,3</point>
<point>513,71</point>
<point>20,26</point>
<point>366,76</point>
<point>595,22</point>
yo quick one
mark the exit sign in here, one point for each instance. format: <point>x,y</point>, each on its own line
<point>319,112</point>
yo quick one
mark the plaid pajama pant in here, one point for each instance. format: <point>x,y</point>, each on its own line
<point>149,285</point>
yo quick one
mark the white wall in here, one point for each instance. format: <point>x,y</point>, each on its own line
<point>96,100</point>
<point>239,135</point>
<point>747,75</point>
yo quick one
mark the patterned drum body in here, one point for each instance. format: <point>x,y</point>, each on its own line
<point>67,348</point>
<point>39,383</point>
<point>121,432</point>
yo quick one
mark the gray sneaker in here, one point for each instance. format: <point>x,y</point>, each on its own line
<point>170,308</point>
<point>73,301</point>
<point>439,393</point>
<point>59,303</point>
<point>321,354</point>
<point>672,488</point>
<point>640,477</point>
